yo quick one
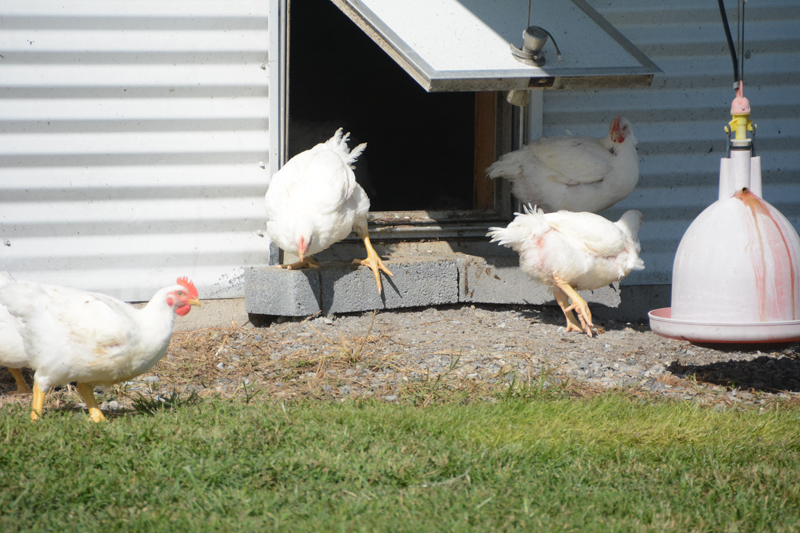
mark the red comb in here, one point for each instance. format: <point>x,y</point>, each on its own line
<point>189,286</point>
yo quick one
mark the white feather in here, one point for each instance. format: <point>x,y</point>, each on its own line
<point>12,346</point>
<point>315,195</point>
<point>74,335</point>
<point>583,249</point>
<point>572,173</point>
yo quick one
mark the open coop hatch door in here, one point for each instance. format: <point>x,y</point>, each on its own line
<point>418,80</point>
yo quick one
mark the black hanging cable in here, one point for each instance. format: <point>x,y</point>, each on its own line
<point>741,48</point>
<point>529,13</point>
<point>730,40</point>
<point>739,32</point>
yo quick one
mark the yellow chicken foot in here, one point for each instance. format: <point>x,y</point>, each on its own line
<point>578,304</point>
<point>563,303</point>
<point>38,402</point>
<point>22,386</point>
<point>373,261</point>
<point>87,393</point>
<point>306,262</point>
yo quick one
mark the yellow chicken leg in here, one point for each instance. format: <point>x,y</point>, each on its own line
<point>305,262</point>
<point>38,402</point>
<point>563,303</point>
<point>373,261</point>
<point>22,386</point>
<point>87,393</point>
<point>578,304</point>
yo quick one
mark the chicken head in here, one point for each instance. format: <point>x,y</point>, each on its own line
<point>620,130</point>
<point>183,300</point>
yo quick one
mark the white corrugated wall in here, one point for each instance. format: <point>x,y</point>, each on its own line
<point>134,142</point>
<point>679,120</point>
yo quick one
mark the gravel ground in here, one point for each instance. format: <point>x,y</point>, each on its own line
<point>480,350</point>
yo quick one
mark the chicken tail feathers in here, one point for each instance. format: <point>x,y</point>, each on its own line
<point>508,167</point>
<point>509,236</point>
<point>338,143</point>
<point>526,224</point>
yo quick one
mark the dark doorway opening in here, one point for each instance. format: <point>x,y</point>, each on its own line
<point>420,146</point>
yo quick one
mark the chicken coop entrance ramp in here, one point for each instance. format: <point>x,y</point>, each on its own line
<point>465,45</point>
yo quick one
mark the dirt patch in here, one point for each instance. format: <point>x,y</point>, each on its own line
<point>477,351</point>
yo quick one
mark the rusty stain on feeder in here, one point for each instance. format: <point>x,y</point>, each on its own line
<point>757,207</point>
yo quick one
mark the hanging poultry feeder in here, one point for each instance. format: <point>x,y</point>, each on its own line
<point>736,276</point>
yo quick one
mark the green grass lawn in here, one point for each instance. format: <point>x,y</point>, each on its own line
<point>608,463</point>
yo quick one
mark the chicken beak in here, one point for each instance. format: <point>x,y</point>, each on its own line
<point>195,302</point>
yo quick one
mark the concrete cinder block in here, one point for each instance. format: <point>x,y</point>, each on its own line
<point>500,280</point>
<point>275,291</point>
<point>417,282</point>
<point>342,287</point>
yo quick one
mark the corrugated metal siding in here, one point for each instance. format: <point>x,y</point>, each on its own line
<point>679,121</point>
<point>132,141</point>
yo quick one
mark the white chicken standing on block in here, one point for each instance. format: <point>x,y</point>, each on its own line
<point>573,173</point>
<point>313,201</point>
<point>573,251</point>
<point>12,348</point>
<point>90,338</point>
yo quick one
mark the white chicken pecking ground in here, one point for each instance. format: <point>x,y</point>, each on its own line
<point>313,201</point>
<point>12,348</point>
<point>72,335</point>
<point>573,251</point>
<point>573,173</point>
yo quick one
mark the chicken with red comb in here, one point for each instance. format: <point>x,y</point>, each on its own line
<point>314,201</point>
<point>573,173</point>
<point>72,335</point>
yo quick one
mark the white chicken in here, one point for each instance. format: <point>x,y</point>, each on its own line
<point>573,251</point>
<point>93,339</point>
<point>12,348</point>
<point>314,202</point>
<point>573,173</point>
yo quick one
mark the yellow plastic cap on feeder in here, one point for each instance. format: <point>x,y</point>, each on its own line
<point>740,111</point>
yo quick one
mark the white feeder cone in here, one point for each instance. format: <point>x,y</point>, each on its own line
<point>736,276</point>
<point>737,263</point>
